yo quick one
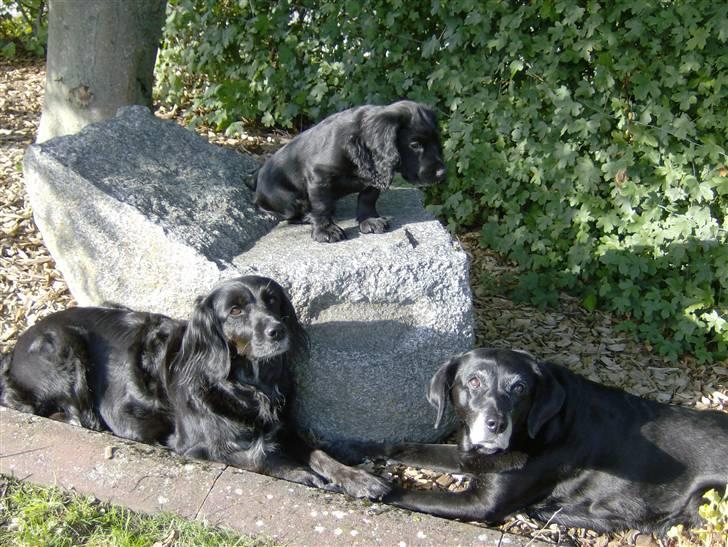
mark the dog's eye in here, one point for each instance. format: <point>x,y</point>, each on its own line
<point>474,382</point>
<point>519,388</point>
<point>416,146</point>
<point>236,310</point>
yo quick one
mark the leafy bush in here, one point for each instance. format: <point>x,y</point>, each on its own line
<point>23,23</point>
<point>586,141</point>
<point>715,528</point>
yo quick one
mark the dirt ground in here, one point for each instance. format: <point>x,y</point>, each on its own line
<point>587,342</point>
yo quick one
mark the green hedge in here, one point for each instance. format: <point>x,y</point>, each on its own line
<point>586,141</point>
<point>24,27</point>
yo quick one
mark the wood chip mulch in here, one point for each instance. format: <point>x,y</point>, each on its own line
<point>30,285</point>
<point>587,342</point>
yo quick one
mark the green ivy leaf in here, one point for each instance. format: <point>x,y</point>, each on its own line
<point>430,46</point>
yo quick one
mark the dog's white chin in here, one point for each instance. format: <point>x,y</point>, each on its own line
<point>488,449</point>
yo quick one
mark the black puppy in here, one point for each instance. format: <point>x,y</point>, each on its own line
<point>357,150</point>
<point>540,439</point>
<point>215,387</point>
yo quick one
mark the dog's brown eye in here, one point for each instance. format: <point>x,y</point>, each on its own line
<point>518,388</point>
<point>416,146</point>
<point>235,310</point>
<point>474,382</point>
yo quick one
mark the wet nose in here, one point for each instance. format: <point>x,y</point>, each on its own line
<point>440,173</point>
<point>495,425</point>
<point>275,332</point>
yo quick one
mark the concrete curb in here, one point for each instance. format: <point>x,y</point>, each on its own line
<point>150,479</point>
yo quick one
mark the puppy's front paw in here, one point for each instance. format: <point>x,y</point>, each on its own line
<point>374,225</point>
<point>329,233</point>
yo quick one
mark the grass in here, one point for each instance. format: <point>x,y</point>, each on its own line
<point>34,515</point>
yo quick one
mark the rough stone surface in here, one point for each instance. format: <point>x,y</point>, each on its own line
<point>141,211</point>
<point>383,312</point>
<point>146,214</point>
<point>150,479</point>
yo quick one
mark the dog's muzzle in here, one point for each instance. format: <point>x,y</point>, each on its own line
<point>428,178</point>
<point>489,434</point>
<point>270,341</point>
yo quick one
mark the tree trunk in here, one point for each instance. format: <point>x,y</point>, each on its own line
<point>101,56</point>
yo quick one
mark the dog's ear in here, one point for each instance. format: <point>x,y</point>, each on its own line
<point>440,386</point>
<point>374,151</point>
<point>204,352</point>
<point>548,398</point>
<point>429,116</point>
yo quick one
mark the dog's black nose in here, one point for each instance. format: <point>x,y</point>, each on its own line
<point>275,332</point>
<point>495,426</point>
<point>440,173</point>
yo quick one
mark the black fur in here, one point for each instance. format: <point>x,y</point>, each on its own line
<point>357,150</point>
<point>213,387</point>
<point>539,439</point>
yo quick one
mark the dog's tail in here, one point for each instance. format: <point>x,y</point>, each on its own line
<point>251,181</point>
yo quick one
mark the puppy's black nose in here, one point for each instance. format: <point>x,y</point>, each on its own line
<point>275,332</point>
<point>495,426</point>
<point>440,173</point>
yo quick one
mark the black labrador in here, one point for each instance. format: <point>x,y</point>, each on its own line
<point>214,387</point>
<point>539,439</point>
<point>357,150</point>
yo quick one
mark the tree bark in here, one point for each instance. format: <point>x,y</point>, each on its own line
<point>101,56</point>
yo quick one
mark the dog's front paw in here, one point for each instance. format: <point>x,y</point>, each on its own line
<point>307,478</point>
<point>374,225</point>
<point>329,233</point>
<point>267,410</point>
<point>360,484</point>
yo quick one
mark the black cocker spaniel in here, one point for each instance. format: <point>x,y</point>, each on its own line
<point>357,150</point>
<point>214,387</point>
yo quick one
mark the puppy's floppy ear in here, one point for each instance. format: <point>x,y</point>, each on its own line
<point>440,386</point>
<point>374,150</point>
<point>547,400</point>
<point>204,351</point>
<point>428,115</point>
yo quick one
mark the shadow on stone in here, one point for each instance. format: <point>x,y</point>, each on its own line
<point>377,368</point>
